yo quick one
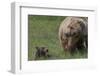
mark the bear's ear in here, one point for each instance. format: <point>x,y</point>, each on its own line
<point>82,25</point>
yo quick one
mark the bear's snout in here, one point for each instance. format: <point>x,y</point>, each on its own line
<point>69,47</point>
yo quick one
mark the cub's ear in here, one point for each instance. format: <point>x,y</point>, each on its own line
<point>46,49</point>
<point>37,47</point>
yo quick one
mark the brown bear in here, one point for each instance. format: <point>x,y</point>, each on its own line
<point>73,33</point>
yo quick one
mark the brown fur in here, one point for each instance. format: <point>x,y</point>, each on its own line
<point>73,33</point>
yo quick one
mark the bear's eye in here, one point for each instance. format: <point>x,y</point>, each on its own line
<point>67,34</point>
<point>74,33</point>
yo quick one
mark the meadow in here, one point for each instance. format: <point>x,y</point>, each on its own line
<point>43,31</point>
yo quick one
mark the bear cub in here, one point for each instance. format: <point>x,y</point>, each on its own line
<point>41,52</point>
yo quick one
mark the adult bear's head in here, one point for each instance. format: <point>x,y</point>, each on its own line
<point>74,31</point>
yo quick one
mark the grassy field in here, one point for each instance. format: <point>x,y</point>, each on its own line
<point>43,31</point>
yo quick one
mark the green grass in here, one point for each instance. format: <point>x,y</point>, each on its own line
<point>43,31</point>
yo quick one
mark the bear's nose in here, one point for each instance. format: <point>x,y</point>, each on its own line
<point>68,47</point>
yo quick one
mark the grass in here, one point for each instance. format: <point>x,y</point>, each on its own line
<point>43,31</point>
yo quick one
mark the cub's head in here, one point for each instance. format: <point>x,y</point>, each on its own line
<point>41,51</point>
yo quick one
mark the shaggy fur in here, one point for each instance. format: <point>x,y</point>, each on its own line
<point>73,33</point>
